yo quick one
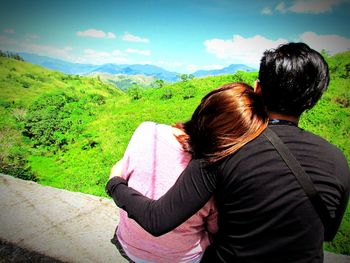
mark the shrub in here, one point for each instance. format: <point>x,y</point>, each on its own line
<point>25,84</point>
<point>23,172</point>
<point>97,98</point>
<point>16,164</point>
<point>135,93</point>
<point>30,76</point>
<point>167,94</point>
<point>48,120</point>
<point>5,104</point>
<point>189,92</point>
<point>19,114</point>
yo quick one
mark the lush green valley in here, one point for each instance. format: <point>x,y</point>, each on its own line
<point>124,82</point>
<point>67,131</point>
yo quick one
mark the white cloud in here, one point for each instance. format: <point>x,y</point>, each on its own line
<point>139,52</point>
<point>63,53</point>
<point>95,33</point>
<point>9,31</point>
<point>249,50</point>
<point>43,50</point>
<point>169,65</point>
<point>266,11</point>
<point>32,36</point>
<point>332,43</point>
<point>101,57</point>
<point>281,7</point>
<point>111,35</point>
<point>132,38</point>
<point>184,68</point>
<point>143,62</point>
<point>91,33</point>
<point>6,42</point>
<point>240,49</point>
<point>89,56</point>
<point>93,53</point>
<point>46,50</point>
<point>314,6</point>
<point>116,52</point>
<point>310,6</point>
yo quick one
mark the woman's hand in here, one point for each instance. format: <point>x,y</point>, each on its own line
<point>117,169</point>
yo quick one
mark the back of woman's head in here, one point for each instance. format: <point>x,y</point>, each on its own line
<point>226,119</point>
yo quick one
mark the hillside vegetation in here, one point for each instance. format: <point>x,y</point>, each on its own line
<point>124,82</point>
<point>67,131</point>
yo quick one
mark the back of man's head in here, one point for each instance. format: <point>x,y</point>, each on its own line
<point>292,78</point>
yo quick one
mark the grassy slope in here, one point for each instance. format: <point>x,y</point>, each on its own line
<point>124,82</point>
<point>84,165</point>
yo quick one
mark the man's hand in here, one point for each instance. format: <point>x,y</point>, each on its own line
<point>117,169</point>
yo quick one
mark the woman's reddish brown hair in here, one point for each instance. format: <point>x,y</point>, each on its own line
<point>226,119</point>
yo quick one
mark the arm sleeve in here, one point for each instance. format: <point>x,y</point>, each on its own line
<point>191,192</point>
<point>332,229</point>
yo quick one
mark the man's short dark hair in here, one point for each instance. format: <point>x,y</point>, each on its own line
<point>293,77</point>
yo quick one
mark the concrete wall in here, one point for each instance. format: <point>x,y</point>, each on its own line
<point>67,226</point>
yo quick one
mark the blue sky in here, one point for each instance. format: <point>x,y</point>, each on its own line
<point>178,35</point>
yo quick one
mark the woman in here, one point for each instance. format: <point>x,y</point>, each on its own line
<point>155,157</point>
<point>226,119</point>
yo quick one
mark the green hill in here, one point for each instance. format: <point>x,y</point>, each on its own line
<point>124,82</point>
<point>67,131</point>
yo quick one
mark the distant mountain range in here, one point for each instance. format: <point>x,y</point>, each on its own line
<point>86,69</point>
<point>136,69</point>
<point>233,68</point>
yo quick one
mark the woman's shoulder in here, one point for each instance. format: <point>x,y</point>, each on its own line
<point>146,126</point>
<point>150,125</point>
<point>151,128</point>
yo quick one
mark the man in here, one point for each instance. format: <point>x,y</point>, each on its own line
<point>264,213</point>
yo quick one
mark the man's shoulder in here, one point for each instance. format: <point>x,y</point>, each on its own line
<point>322,143</point>
<point>303,138</point>
<point>297,140</point>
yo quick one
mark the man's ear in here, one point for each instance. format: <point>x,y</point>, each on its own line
<point>257,87</point>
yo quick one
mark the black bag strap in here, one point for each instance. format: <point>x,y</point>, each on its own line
<point>302,177</point>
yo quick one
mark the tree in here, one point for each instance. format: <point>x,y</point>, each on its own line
<point>183,77</point>
<point>347,71</point>
<point>167,94</point>
<point>159,83</point>
<point>11,55</point>
<point>325,53</point>
<point>189,91</point>
<point>135,92</point>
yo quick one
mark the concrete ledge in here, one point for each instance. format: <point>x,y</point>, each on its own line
<point>63,225</point>
<point>68,226</point>
<point>335,258</point>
